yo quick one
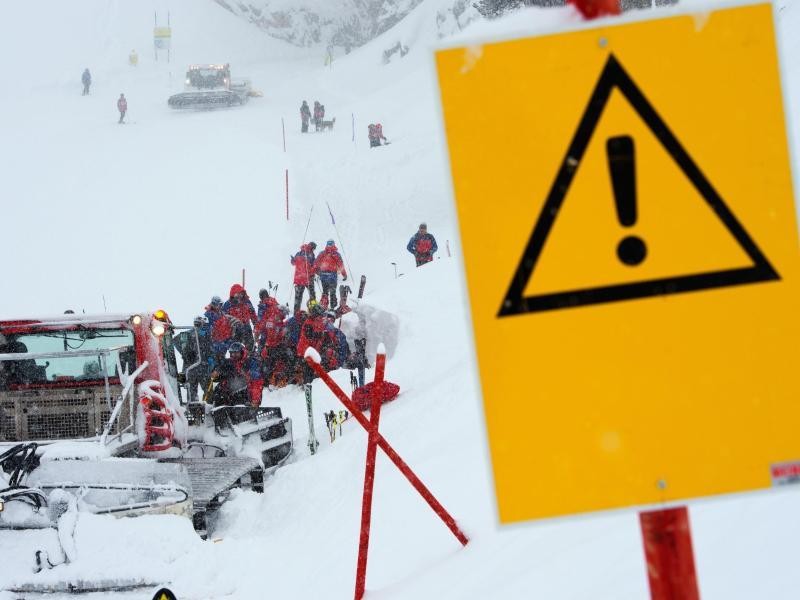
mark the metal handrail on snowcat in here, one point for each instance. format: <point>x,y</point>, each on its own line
<point>127,392</point>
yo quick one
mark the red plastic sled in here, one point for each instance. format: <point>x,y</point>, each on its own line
<point>363,396</point>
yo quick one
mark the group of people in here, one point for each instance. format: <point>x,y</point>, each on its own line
<point>307,116</point>
<point>122,102</point>
<point>326,267</point>
<point>246,348</point>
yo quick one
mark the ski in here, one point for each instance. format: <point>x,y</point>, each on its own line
<point>361,286</point>
<point>313,444</point>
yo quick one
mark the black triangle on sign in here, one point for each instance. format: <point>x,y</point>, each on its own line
<point>614,75</point>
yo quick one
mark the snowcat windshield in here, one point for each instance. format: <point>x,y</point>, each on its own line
<point>206,78</point>
<point>65,368</point>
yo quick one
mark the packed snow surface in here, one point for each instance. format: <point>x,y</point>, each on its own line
<point>168,209</point>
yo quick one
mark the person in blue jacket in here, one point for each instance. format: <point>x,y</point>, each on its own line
<point>422,245</point>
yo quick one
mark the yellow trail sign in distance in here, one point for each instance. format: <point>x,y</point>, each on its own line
<point>626,212</point>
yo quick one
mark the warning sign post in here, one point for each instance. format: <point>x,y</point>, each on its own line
<point>625,203</point>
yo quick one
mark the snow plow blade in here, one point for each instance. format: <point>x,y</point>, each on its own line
<point>207,100</point>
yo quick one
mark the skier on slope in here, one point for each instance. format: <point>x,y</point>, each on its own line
<point>86,80</point>
<point>122,107</point>
<point>239,306</point>
<point>303,263</point>
<point>375,133</point>
<point>328,265</point>
<point>422,245</point>
<point>305,115</point>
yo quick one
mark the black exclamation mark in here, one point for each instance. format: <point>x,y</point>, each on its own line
<point>622,164</point>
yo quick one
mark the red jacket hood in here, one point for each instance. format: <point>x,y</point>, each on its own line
<point>235,289</point>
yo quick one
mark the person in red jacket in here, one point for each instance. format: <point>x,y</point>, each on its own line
<point>312,334</point>
<point>422,245</point>
<point>271,333</point>
<point>239,306</point>
<point>328,265</point>
<point>303,263</point>
<point>122,107</point>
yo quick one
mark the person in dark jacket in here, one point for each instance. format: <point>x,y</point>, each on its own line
<point>303,263</point>
<point>319,114</point>
<point>86,80</point>
<point>122,107</point>
<point>240,378</point>
<point>187,344</point>
<point>239,306</point>
<point>328,265</point>
<point>422,245</point>
<point>305,116</point>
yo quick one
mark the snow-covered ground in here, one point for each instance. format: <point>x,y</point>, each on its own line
<point>167,210</point>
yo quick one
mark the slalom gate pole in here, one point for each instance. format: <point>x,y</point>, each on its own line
<point>369,477</point>
<point>426,494</point>
<point>668,553</point>
<point>341,240</point>
<point>287,194</point>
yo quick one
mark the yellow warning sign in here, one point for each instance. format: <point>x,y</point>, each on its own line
<point>626,212</point>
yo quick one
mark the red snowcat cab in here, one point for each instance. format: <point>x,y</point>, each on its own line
<point>97,401</point>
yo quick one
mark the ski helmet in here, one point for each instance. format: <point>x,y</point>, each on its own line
<point>216,301</point>
<point>330,243</point>
<point>263,293</point>
<point>236,348</point>
<point>200,321</point>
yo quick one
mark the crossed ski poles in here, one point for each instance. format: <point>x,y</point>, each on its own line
<point>376,440</point>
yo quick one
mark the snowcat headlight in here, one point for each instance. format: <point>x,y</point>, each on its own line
<point>158,329</point>
<point>136,320</point>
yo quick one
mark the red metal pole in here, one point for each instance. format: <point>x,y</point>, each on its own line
<point>668,550</point>
<point>393,456</point>
<point>369,478</point>
<point>287,194</point>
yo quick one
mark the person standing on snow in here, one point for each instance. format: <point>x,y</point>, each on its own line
<point>303,263</point>
<point>375,132</point>
<point>305,115</point>
<point>328,265</point>
<point>122,107</point>
<point>86,80</point>
<point>318,115</point>
<point>422,245</point>
<point>239,306</point>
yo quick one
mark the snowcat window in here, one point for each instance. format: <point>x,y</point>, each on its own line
<point>206,78</point>
<point>66,368</point>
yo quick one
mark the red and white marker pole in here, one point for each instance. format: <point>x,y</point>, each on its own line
<point>376,440</point>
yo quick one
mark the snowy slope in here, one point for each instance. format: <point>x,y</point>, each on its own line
<point>166,211</point>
